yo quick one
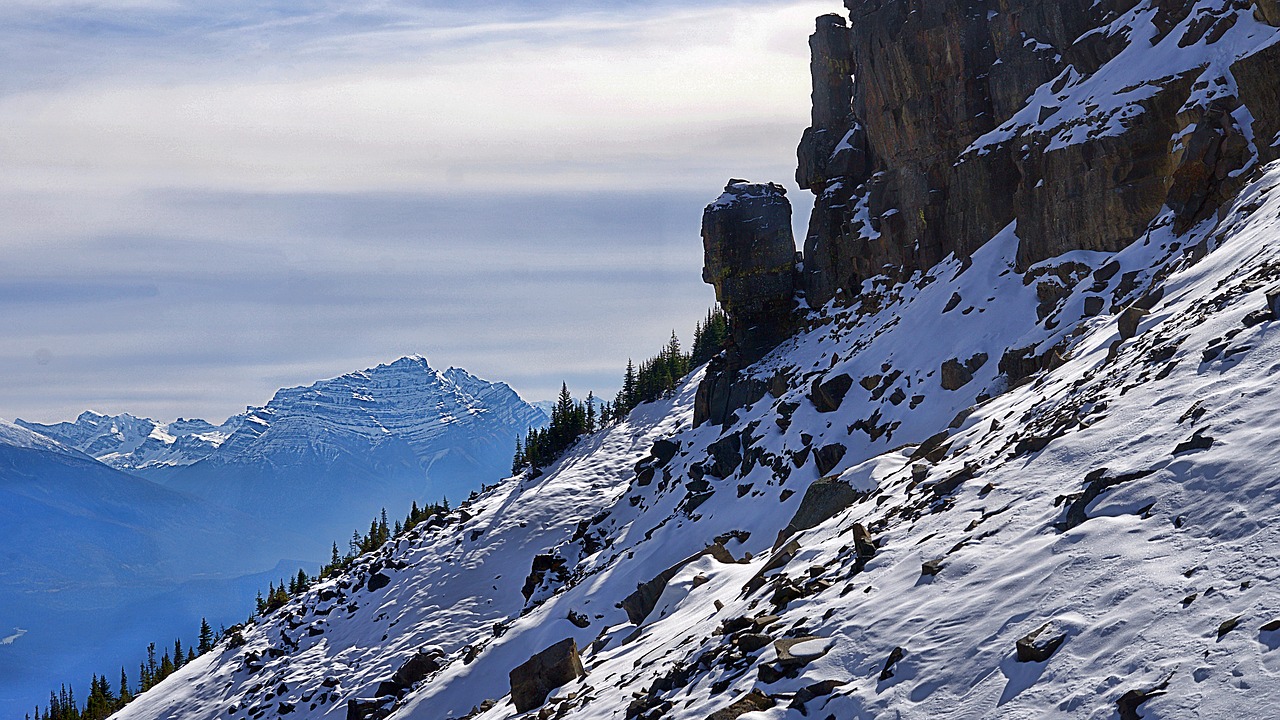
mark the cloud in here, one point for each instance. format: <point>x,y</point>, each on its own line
<point>206,202</point>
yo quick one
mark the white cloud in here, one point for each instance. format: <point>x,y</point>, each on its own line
<point>197,214</point>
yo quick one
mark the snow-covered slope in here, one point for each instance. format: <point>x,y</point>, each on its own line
<point>999,486</point>
<point>1124,497</point>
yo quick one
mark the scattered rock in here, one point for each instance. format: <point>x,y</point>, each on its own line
<point>1036,646</point>
<point>894,657</point>
<point>554,667</point>
<point>640,603</point>
<point>1093,305</point>
<point>828,396</point>
<point>1272,626</point>
<point>930,568</point>
<point>824,499</point>
<point>377,581</point>
<point>579,619</point>
<point>1227,626</point>
<point>754,701</point>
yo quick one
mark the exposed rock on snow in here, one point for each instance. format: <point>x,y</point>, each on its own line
<point>554,667</point>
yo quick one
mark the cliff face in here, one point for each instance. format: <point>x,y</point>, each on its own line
<point>937,124</point>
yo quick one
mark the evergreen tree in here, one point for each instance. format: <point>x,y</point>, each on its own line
<point>125,695</point>
<point>206,636</point>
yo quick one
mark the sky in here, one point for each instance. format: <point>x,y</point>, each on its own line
<point>205,202</point>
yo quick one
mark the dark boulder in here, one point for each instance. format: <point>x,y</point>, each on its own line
<point>377,581</point>
<point>753,701</point>
<point>828,457</point>
<point>369,708</point>
<point>726,455</point>
<point>554,667</point>
<point>829,395</point>
<point>1038,646</point>
<point>414,670</point>
<point>824,499</point>
<point>546,569</point>
<point>640,603</point>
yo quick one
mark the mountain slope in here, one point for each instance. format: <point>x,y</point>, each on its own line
<point>1026,474</point>
<point>1123,497</point>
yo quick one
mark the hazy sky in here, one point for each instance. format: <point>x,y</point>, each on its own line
<point>203,202</point>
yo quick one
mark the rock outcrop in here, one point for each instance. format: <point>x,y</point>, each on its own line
<point>554,667</point>
<point>936,125</point>
<point>750,259</point>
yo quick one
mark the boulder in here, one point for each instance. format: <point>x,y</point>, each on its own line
<point>824,499</point>
<point>369,708</point>
<point>554,667</point>
<point>799,651</point>
<point>377,581</point>
<point>726,455</point>
<point>1267,11</point>
<point>1038,646</point>
<point>954,375</point>
<point>894,657</point>
<point>640,603</point>
<point>753,701</point>
<point>829,395</point>
<point>547,568</point>
<point>663,451</point>
<point>828,457</point>
<point>414,670</point>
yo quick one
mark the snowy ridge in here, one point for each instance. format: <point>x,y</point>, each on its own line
<point>1120,496</point>
<point>405,399</point>
<point>131,443</point>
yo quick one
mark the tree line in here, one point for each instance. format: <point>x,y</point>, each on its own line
<point>655,378</point>
<point>106,697</point>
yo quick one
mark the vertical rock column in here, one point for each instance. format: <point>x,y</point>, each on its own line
<point>750,259</point>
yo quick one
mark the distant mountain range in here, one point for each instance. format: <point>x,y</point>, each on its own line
<point>117,530</point>
<point>324,458</point>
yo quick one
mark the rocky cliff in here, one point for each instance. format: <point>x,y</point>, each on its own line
<point>938,124</point>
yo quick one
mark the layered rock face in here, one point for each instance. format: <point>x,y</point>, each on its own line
<point>937,124</point>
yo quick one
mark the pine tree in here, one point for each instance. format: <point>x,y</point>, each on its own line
<point>206,636</point>
<point>178,656</point>
<point>125,695</point>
